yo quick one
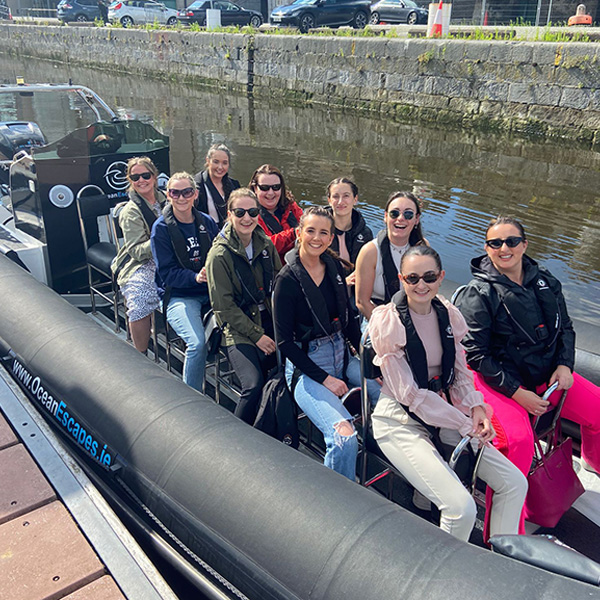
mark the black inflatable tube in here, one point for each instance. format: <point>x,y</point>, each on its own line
<point>275,523</point>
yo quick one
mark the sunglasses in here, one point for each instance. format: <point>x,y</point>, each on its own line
<point>240,212</point>
<point>136,176</point>
<point>512,242</point>
<point>185,192</point>
<point>408,214</point>
<point>428,277</point>
<point>264,187</point>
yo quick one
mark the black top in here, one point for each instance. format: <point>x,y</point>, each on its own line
<point>356,237</point>
<point>202,182</point>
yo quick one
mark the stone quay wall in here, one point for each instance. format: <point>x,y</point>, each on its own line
<point>539,88</point>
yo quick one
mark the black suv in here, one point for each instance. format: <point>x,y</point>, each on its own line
<point>80,10</point>
<point>306,14</point>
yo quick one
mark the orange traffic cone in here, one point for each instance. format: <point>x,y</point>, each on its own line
<point>436,28</point>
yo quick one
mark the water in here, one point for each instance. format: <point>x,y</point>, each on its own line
<point>464,178</point>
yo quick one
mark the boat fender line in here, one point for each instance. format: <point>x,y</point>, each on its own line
<point>273,522</point>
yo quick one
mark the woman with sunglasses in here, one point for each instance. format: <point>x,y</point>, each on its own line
<point>428,397</point>
<point>181,239</point>
<point>351,231</point>
<point>214,184</point>
<point>279,213</point>
<point>313,321</point>
<point>521,341</point>
<point>134,266</point>
<point>378,263</point>
<point>241,267</point>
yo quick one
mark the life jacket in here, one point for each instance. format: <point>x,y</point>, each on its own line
<point>391,282</point>
<point>273,223</point>
<point>314,298</point>
<point>219,201</point>
<point>178,241</point>
<point>415,351</point>
<point>147,212</point>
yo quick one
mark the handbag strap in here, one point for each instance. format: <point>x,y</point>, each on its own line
<point>554,434</point>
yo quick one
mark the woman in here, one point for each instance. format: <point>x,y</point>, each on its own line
<point>378,263</point>
<point>351,231</point>
<point>521,341</point>
<point>181,239</point>
<point>313,321</point>
<point>241,267</point>
<point>214,184</point>
<point>426,385</point>
<point>134,266</point>
<point>279,213</point>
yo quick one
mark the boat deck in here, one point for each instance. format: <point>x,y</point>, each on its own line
<point>58,538</point>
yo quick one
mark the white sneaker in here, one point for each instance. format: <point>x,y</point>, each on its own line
<point>420,501</point>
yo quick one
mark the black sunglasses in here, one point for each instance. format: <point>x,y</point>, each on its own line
<point>185,192</point>
<point>136,176</point>
<point>512,242</point>
<point>240,212</point>
<point>408,214</point>
<point>265,187</point>
<point>428,277</point>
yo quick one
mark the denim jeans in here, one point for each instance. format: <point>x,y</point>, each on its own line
<point>184,314</point>
<point>324,408</point>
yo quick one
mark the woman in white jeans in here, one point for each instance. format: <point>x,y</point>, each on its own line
<point>417,340</point>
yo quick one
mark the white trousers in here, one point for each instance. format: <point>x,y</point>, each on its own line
<point>407,445</point>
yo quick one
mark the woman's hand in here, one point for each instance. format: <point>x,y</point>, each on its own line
<point>201,275</point>
<point>482,428</point>
<point>351,279</point>
<point>564,377</point>
<point>531,402</point>
<point>335,385</point>
<point>266,344</point>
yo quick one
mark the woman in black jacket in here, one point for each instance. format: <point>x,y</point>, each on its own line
<point>521,341</point>
<point>313,321</point>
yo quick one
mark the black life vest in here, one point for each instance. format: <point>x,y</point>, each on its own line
<point>314,297</point>
<point>148,214</point>
<point>220,202</point>
<point>391,282</point>
<point>273,223</point>
<point>178,241</point>
<point>415,351</point>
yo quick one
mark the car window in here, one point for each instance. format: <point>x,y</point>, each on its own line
<point>300,2</point>
<point>226,6</point>
<point>199,4</point>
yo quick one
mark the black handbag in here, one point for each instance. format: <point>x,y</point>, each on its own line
<point>213,332</point>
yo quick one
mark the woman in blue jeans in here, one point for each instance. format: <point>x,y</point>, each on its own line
<point>181,239</point>
<point>313,322</point>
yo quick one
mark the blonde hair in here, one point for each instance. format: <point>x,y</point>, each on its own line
<point>182,175</point>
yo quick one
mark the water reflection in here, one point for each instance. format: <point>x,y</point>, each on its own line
<point>464,178</point>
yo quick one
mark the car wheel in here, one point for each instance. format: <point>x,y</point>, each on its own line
<point>412,18</point>
<point>172,21</point>
<point>307,21</point>
<point>127,21</point>
<point>374,18</point>
<point>255,21</point>
<point>360,20</point>
<point>81,19</point>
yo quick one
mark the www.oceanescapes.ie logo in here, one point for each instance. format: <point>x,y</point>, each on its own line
<point>59,410</point>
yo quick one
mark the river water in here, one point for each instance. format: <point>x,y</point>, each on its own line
<point>464,178</point>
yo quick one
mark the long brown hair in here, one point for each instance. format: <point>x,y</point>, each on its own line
<point>144,161</point>
<point>286,197</point>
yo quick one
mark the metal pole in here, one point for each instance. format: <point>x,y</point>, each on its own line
<point>537,13</point>
<point>549,13</point>
<point>483,7</point>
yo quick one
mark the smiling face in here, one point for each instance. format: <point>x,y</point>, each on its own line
<point>315,236</point>
<point>268,198</point>
<point>506,260</point>
<point>217,164</point>
<point>182,205</point>
<point>144,187</point>
<point>341,199</point>
<point>400,228</point>
<point>244,225</point>
<point>422,293</point>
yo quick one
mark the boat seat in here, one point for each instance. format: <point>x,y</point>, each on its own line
<point>101,255</point>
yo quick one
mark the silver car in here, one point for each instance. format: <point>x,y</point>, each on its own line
<point>135,12</point>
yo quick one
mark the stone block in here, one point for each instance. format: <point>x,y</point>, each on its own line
<point>575,98</point>
<point>522,52</point>
<point>489,90</point>
<point>447,86</point>
<point>464,105</point>
<point>534,94</point>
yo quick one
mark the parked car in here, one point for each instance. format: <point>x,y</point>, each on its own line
<point>306,14</point>
<point>231,14</point>
<point>133,12</point>
<point>4,11</point>
<point>79,10</point>
<point>398,11</point>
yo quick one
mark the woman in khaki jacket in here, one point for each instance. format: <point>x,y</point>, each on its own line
<point>134,265</point>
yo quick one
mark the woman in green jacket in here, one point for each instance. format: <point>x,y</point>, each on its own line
<point>241,267</point>
<point>134,265</point>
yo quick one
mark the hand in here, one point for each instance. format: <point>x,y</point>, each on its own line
<point>482,428</point>
<point>531,402</point>
<point>201,276</point>
<point>564,377</point>
<point>335,385</point>
<point>351,279</point>
<point>266,345</point>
